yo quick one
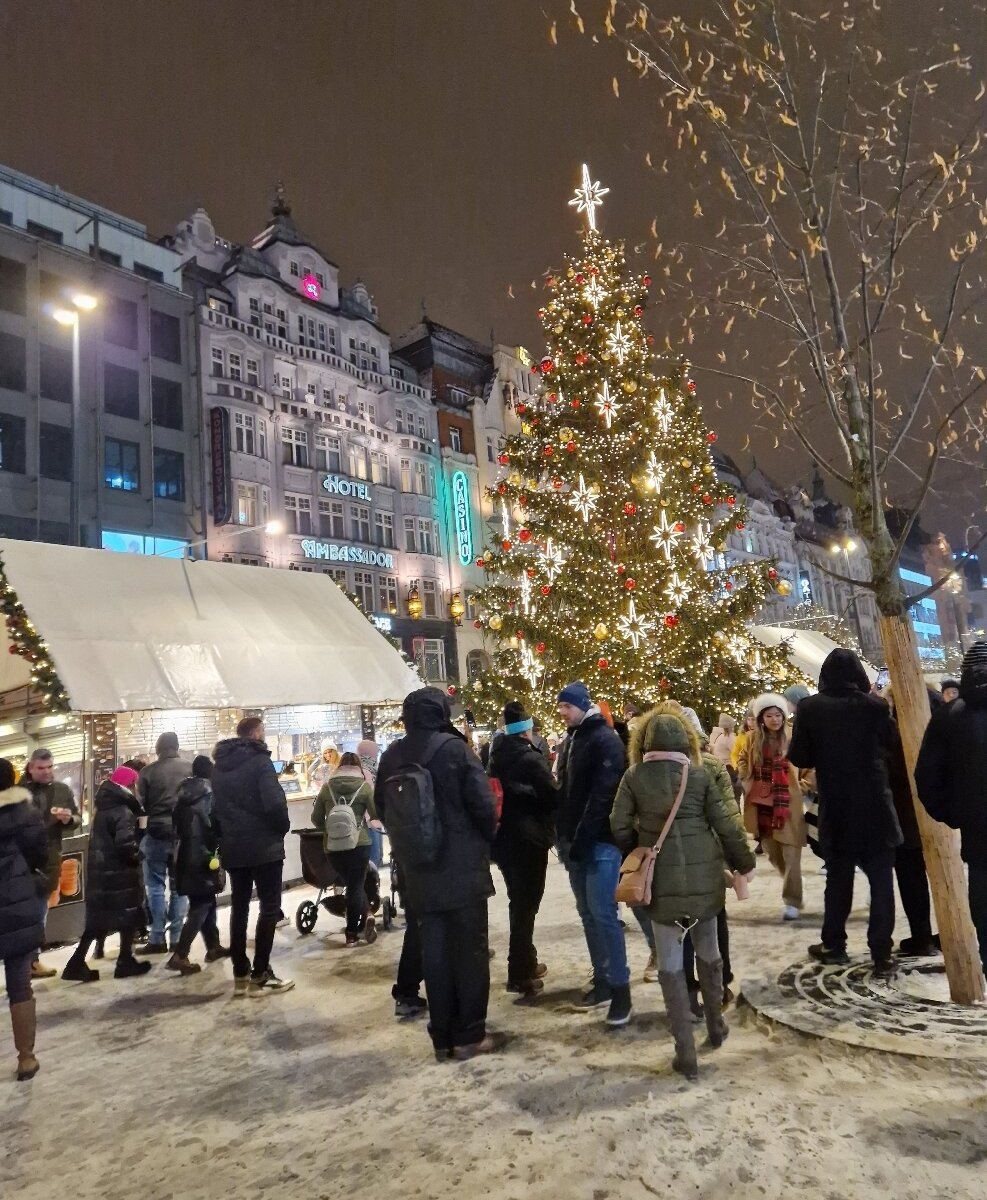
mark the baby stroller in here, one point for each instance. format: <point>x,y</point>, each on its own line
<point>318,872</point>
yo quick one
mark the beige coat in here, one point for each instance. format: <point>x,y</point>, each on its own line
<point>793,833</point>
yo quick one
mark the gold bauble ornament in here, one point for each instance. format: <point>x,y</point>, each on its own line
<point>532,483</point>
<point>514,643</point>
<point>557,329</point>
<point>621,313</point>
<point>566,314</point>
<point>605,355</point>
<point>525,428</point>
<point>784,587</point>
<point>626,297</point>
<point>629,386</point>
<point>514,478</point>
<point>566,434</point>
<point>496,621</point>
<point>570,273</point>
<point>488,556</point>
<point>601,632</point>
<point>686,464</point>
<point>708,469</point>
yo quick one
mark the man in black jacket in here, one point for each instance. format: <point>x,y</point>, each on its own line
<point>157,790</point>
<point>846,734</point>
<point>590,766</point>
<point>951,777</point>
<point>449,898</point>
<point>251,814</point>
<point>525,836</point>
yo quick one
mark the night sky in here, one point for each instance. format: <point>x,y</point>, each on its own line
<point>427,146</point>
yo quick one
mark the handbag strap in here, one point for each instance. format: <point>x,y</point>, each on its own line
<point>683,761</point>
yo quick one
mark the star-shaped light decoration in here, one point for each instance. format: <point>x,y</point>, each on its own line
<point>594,292</point>
<point>606,405</point>
<point>665,535</point>
<point>654,473</point>
<point>677,590</point>
<point>588,198</point>
<point>531,667</point>
<point>705,552</point>
<point>634,627</point>
<point>663,411</point>
<point>619,344</point>
<point>505,518</point>
<point>551,560</point>
<point>584,499</point>
<point>526,594</point>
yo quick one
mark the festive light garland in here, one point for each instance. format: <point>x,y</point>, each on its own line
<point>28,643</point>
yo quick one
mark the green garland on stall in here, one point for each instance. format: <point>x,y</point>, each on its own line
<point>28,643</point>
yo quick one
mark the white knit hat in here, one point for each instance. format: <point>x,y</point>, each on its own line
<point>769,700</point>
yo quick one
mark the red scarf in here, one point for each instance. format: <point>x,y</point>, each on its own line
<point>774,770</point>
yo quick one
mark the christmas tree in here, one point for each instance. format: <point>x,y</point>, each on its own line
<point>605,562</point>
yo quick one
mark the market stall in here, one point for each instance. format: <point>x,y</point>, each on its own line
<point>807,648</point>
<point>107,651</point>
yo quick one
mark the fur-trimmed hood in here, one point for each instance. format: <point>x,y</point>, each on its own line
<point>14,795</point>
<point>664,727</point>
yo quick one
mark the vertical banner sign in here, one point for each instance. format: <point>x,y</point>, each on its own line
<point>461,517</point>
<point>222,501</point>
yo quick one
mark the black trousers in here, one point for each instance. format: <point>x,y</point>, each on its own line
<point>456,960</point>
<point>978,906</point>
<point>410,970</point>
<point>523,866</point>
<point>689,953</point>
<point>200,918</point>
<point>913,887</point>
<point>878,866</point>
<point>352,866</point>
<point>267,879</point>
<point>88,938</point>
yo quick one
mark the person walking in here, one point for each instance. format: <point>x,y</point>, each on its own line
<point>669,787</point>
<point>590,766</point>
<point>773,798</point>
<point>24,856</point>
<point>157,790</point>
<point>60,813</point>
<point>198,875</point>
<point>525,836</point>
<point>368,753</point>
<point>448,884</point>
<point>951,778</point>
<point>846,734</point>
<point>250,812</point>
<point>339,811</point>
<point>723,738</point>
<point>114,890</point>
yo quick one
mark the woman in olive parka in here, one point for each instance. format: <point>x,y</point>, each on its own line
<point>689,883</point>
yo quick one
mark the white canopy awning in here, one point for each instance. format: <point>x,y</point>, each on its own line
<point>807,648</point>
<point>128,632</point>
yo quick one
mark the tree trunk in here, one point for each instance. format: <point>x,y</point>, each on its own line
<point>940,844</point>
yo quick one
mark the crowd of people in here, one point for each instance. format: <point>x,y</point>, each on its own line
<point>649,801</point>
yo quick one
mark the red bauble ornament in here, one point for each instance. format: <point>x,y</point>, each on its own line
<point>638,310</point>
<point>630,584</point>
<point>531,572</point>
<point>523,501</point>
<point>671,621</point>
<point>505,545</point>
<point>545,589</point>
<point>557,483</point>
<point>481,562</point>
<point>741,525</point>
<point>680,526</point>
<point>11,649</point>
<point>707,498</point>
<point>691,385</point>
<point>519,634</point>
<point>501,489</point>
<point>731,500</point>
<point>580,277</point>
<point>630,508</point>
<point>549,450</point>
<point>664,684</point>
<point>540,648</point>
<point>477,624</point>
<point>552,397</point>
<point>696,488</point>
<point>522,408</point>
<point>582,358</point>
<point>651,339</point>
<point>503,459</point>
<point>772,573</point>
<point>451,689</point>
<point>536,420</point>
<point>594,270</point>
<point>524,535</point>
<point>621,568</point>
<point>535,369</point>
<point>575,402</point>
<point>603,663</point>
<point>711,437</point>
<point>646,281</point>
<point>541,314</point>
<point>728,585</point>
<point>587,318</point>
<point>547,366</point>
<point>571,447</point>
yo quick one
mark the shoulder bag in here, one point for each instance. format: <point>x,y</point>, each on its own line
<point>638,868</point>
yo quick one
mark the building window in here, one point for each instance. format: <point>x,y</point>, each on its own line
<point>389,593</point>
<point>169,474</point>
<point>426,536</point>
<point>422,429</point>
<point>490,450</point>
<point>363,589</point>
<point>45,232</point>
<point>245,429</point>
<point>253,373</point>
<point>399,420</point>
<point>120,322</point>
<point>218,359</point>
<point>332,523</point>
<point>298,514</point>
<point>56,372</point>
<point>410,541</point>
<point>107,256</point>
<point>424,479</point>
<point>121,465</point>
<point>246,503</point>
<point>236,367</point>
<point>295,445</point>
<point>455,439</point>
<point>327,453</point>
<point>121,391</point>
<point>405,474</point>
<point>359,523</point>
<point>147,272</point>
<point>320,278</point>
<point>13,362</point>
<point>166,403</point>
<point>384,529</point>
<point>430,658</point>
<point>358,462</point>
<point>13,286</point>
<point>12,444</point>
<point>380,468</point>
<point>293,268</point>
<point>429,598</point>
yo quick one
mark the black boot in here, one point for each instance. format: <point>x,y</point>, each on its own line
<point>126,967</point>
<point>76,971</point>
<point>711,982</point>
<point>673,988</point>
<point>620,1006</point>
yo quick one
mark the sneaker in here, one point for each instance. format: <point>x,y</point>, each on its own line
<point>182,965</point>
<point>620,1009</point>
<point>651,970</point>
<point>79,973</point>
<point>790,913</point>
<point>40,971</point>
<point>370,931</point>
<point>127,968</point>
<point>241,985</point>
<point>410,1006</point>
<point>215,953</point>
<point>829,958</point>
<point>918,948</point>
<point>599,994</point>
<point>352,939</point>
<point>491,1044</point>
<point>884,968</point>
<point>526,987</point>
<point>261,985</point>
<point>153,948</point>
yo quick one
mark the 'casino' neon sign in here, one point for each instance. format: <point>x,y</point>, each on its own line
<point>461,517</point>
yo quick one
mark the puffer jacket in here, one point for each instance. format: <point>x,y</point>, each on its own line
<point>590,765</point>
<point>114,888</point>
<point>951,773</point>
<point>463,800</point>
<point>530,793</point>
<point>197,841</point>
<point>249,807</point>
<point>707,833</point>
<point>347,786</point>
<point>47,796</point>
<point>23,864</point>
<point>157,788</point>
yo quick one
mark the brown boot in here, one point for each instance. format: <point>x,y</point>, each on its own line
<point>491,1044</point>
<point>23,1018</point>
<point>182,965</point>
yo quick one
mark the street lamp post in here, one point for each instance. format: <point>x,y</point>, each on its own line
<point>846,548</point>
<point>69,317</point>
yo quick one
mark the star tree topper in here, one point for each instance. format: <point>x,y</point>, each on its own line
<point>588,198</point>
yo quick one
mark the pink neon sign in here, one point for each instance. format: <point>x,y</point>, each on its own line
<point>309,286</point>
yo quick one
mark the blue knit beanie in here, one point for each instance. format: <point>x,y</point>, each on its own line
<point>576,694</point>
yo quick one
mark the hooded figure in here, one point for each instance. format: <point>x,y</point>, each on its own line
<point>723,739</point>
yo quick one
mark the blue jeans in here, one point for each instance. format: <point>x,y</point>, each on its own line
<point>170,912</point>
<point>376,847</point>
<point>642,918</point>
<point>593,882</point>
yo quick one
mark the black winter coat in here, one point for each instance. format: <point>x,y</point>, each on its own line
<point>846,735</point>
<point>114,888</point>
<point>951,773</point>
<point>531,794</point>
<point>463,800</point>
<point>46,797</point>
<point>23,862</point>
<point>249,807</point>
<point>591,765</point>
<point>197,841</point>
<point>157,789</point>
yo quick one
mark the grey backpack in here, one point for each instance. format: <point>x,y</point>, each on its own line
<point>342,829</point>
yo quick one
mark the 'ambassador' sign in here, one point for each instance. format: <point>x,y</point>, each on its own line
<point>333,552</point>
<point>219,460</point>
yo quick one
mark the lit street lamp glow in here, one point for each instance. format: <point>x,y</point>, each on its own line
<point>84,301</point>
<point>65,316</point>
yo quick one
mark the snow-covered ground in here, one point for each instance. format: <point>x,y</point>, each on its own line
<point>164,1087</point>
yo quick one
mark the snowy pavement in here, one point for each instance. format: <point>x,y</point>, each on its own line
<point>164,1087</point>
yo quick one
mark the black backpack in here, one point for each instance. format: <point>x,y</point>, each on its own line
<point>413,824</point>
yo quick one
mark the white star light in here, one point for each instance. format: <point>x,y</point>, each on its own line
<point>531,667</point>
<point>633,627</point>
<point>677,590</point>
<point>584,499</point>
<point>663,411</point>
<point>551,560</point>
<point>606,405</point>
<point>526,593</point>
<point>665,535</point>
<point>705,552</point>
<point>588,198</point>
<point>655,473</point>
<point>594,292</point>
<point>505,518</point>
<point>619,344</point>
